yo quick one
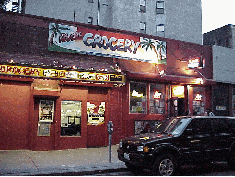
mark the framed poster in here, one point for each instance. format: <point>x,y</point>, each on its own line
<point>46,111</point>
<point>44,129</point>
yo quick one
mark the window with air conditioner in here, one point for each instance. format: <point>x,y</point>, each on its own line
<point>143,6</point>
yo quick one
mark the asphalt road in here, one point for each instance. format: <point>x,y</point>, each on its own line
<point>214,169</point>
<point>217,169</point>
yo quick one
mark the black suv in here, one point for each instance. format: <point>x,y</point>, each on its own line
<point>179,141</point>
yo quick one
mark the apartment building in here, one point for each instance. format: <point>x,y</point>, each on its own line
<point>179,20</point>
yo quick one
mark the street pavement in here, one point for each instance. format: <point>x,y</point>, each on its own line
<point>82,161</point>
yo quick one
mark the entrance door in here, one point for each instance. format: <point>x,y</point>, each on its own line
<point>177,107</point>
<point>181,106</point>
<point>96,132</point>
<point>44,124</point>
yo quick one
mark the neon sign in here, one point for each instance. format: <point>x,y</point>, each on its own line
<point>157,95</point>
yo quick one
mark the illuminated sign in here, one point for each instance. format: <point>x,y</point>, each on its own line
<point>136,94</point>
<point>157,95</point>
<point>195,63</point>
<point>83,40</point>
<point>60,74</point>
<point>198,97</point>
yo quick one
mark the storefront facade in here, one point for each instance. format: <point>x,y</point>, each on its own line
<point>62,82</point>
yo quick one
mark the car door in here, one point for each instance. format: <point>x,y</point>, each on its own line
<point>222,137</point>
<point>200,147</point>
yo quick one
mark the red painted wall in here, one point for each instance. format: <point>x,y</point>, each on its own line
<point>14,115</point>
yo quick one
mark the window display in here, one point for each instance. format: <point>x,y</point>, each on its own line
<point>157,99</point>
<point>71,118</point>
<point>138,97</point>
<point>198,100</point>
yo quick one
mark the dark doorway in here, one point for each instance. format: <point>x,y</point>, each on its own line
<point>181,106</point>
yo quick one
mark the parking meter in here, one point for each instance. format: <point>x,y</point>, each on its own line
<point>110,131</point>
<point>110,127</point>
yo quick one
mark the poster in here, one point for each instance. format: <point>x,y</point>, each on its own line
<point>46,111</point>
<point>44,129</point>
<point>95,113</point>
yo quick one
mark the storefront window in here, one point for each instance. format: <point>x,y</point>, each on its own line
<point>138,97</point>
<point>198,100</point>
<point>157,99</point>
<point>71,118</point>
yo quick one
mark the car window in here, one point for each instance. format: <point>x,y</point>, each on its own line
<point>200,127</point>
<point>220,126</point>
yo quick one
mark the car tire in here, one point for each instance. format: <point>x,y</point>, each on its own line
<point>164,165</point>
<point>133,168</point>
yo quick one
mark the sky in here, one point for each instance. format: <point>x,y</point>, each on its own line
<point>217,13</point>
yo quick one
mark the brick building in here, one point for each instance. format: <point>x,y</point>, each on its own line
<point>61,82</point>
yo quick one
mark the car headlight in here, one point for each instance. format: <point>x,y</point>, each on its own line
<point>120,144</point>
<point>140,148</point>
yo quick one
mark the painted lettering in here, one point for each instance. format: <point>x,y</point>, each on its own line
<point>64,37</point>
<point>112,43</point>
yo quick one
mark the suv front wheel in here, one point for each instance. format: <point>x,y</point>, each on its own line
<point>164,165</point>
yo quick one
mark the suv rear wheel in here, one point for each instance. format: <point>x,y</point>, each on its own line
<point>164,165</point>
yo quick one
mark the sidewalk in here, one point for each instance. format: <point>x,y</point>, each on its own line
<point>82,161</point>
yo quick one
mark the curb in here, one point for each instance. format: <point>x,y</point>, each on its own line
<point>83,173</point>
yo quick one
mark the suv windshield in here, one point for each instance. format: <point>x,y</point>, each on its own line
<point>172,126</point>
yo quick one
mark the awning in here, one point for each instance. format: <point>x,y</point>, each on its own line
<point>175,79</point>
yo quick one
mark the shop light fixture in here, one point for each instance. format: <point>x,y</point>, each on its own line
<point>199,81</point>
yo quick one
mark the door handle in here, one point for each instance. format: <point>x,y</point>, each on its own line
<point>194,141</point>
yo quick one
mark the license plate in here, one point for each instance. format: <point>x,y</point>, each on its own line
<point>126,156</point>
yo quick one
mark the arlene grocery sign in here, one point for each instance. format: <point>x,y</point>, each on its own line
<point>104,43</point>
<point>60,74</point>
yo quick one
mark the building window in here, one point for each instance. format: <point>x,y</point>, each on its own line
<point>142,27</point>
<point>161,30</point>
<point>138,97</point>
<point>71,118</point>
<point>157,99</point>
<point>160,7</point>
<point>143,6</point>
<point>90,20</point>
<point>90,1</point>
